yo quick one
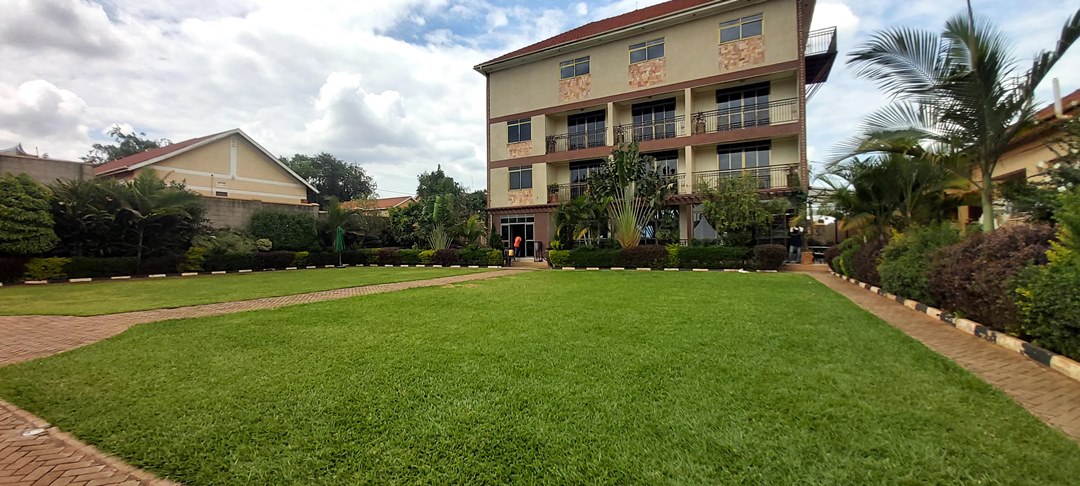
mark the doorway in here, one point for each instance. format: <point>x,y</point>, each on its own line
<point>515,226</point>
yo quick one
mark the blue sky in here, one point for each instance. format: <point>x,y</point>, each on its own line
<point>388,85</point>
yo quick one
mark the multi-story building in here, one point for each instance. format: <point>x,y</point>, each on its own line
<point>709,88</point>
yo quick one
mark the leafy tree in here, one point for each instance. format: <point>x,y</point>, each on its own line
<point>358,224</point>
<point>125,144</point>
<point>1039,200</point>
<point>26,226</point>
<point>957,92</point>
<point>582,218</point>
<point>734,208</point>
<point>286,230</point>
<point>631,191</point>
<point>332,176</point>
<point>437,183</point>
<point>438,236</point>
<point>406,224</point>
<point>148,204</point>
<point>85,213</point>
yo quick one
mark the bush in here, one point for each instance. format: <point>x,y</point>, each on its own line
<point>848,249</point>
<point>323,259</point>
<point>193,260</point>
<point>769,257</point>
<point>427,257</point>
<point>495,257</point>
<point>12,269</point>
<point>408,257</point>
<point>864,262</point>
<point>82,267</point>
<point>300,259</point>
<point>1048,305</point>
<point>288,231</point>
<point>229,261</point>
<point>644,256</point>
<point>387,256</point>
<point>830,257</point>
<point>26,222</point>
<point>973,277</point>
<point>559,258</point>
<point>906,260</point>
<point>274,259</point>
<point>224,241</point>
<point>46,268</point>
<point>672,260</point>
<point>713,257</point>
<point>445,257</point>
<point>355,257</point>
<point>591,256</point>
<point>263,244</point>
<point>160,264</point>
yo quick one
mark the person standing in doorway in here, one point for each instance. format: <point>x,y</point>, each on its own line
<point>795,242</point>
<point>517,247</point>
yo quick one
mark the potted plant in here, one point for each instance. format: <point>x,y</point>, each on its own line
<point>553,193</point>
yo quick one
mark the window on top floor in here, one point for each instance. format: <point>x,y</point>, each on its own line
<point>734,30</point>
<point>644,51</point>
<point>519,130</point>
<point>521,177</point>
<point>574,67</point>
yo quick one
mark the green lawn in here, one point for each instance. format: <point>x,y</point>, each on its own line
<point>546,377</point>
<point>108,297</point>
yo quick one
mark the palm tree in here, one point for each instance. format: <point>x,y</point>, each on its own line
<point>147,200</point>
<point>958,93</point>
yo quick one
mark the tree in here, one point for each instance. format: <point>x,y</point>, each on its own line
<point>26,225</point>
<point>734,208</point>
<point>436,183</point>
<point>126,144</point>
<point>1039,200</point>
<point>358,224</point>
<point>956,92</point>
<point>332,176</point>
<point>631,191</point>
<point>85,214</point>
<point>147,202</point>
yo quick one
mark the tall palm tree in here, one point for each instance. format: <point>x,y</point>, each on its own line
<point>147,200</point>
<point>958,92</point>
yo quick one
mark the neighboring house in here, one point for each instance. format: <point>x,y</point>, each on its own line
<point>710,88</point>
<point>236,176</point>
<point>1039,145</point>
<point>380,207</point>
<point>15,160</point>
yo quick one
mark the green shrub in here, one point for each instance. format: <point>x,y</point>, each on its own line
<point>46,268</point>
<point>263,244</point>
<point>591,256</point>
<point>356,257</point>
<point>495,257</point>
<point>229,261</point>
<point>643,256</point>
<point>288,231</point>
<point>1048,304</point>
<point>559,258</point>
<point>427,257</point>
<point>672,260</point>
<point>906,260</point>
<point>12,269</point>
<point>408,257</point>
<point>830,257</point>
<point>973,277</point>
<point>713,256</point>
<point>160,264</point>
<point>864,261</point>
<point>324,258</point>
<point>445,257</point>
<point>82,267</point>
<point>26,222</point>
<point>224,241</point>
<point>769,257</point>
<point>274,259</point>
<point>194,260</point>
<point>843,261</point>
<point>387,256</point>
<point>300,259</point>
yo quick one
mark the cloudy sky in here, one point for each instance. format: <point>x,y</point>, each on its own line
<point>387,84</point>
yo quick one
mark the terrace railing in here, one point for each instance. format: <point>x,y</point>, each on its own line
<point>747,116</point>
<point>566,142</point>
<point>659,129</point>
<point>769,177</point>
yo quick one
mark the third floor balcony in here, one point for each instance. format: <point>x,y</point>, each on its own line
<point>684,187</point>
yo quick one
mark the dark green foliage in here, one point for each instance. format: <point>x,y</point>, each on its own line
<point>81,267</point>
<point>1048,302</point>
<point>591,256</point>
<point>643,256</point>
<point>12,269</point>
<point>445,257</point>
<point>356,257</point>
<point>387,256</point>
<point>125,144</point>
<point>288,231</point>
<point>769,257</point>
<point>559,258</point>
<point>46,268</point>
<point>161,264</point>
<point>321,259</point>
<point>830,257</point>
<point>409,257</point>
<point>229,261</point>
<point>26,225</point>
<point>906,261</point>
<point>715,257</point>
<point>274,259</point>
<point>495,240</point>
<point>864,261</point>
<point>479,256</point>
<point>973,276</point>
<point>332,176</point>
<point>843,261</point>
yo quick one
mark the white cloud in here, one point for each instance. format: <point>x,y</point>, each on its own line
<point>40,111</point>
<point>582,9</point>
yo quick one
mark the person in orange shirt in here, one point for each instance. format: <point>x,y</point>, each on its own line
<point>517,247</point>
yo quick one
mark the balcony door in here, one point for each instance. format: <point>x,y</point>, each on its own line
<point>587,130</point>
<point>579,175</point>
<point>742,107</point>
<point>654,120</point>
<point>746,158</point>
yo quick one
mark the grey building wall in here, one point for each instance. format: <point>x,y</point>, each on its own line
<point>45,171</point>
<point>236,214</point>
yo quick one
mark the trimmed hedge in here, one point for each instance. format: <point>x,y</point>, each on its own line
<point>408,257</point>
<point>713,257</point>
<point>446,257</point>
<point>906,261</point>
<point>161,264</point>
<point>82,267</point>
<point>287,231</point>
<point>216,262</point>
<point>46,268</point>
<point>1049,305</point>
<point>559,258</point>
<point>274,259</point>
<point>12,269</point>
<point>864,261</point>
<point>830,257</point>
<point>769,257</point>
<point>656,256</point>
<point>644,256</point>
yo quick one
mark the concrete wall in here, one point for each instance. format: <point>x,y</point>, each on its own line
<point>45,171</point>
<point>236,213</point>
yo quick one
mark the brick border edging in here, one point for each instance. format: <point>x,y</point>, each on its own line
<point>1062,364</point>
<point>69,441</point>
<point>228,272</point>
<point>666,269</point>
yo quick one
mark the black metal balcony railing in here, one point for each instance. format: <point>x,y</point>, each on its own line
<point>821,41</point>
<point>576,141</point>
<point>560,193</point>
<point>660,129</point>
<point>746,116</point>
<point>769,178</point>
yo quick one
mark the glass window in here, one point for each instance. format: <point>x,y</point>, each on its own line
<point>733,30</point>
<point>667,163</point>
<point>654,120</point>
<point>521,177</point>
<point>746,158</point>
<point>644,51</point>
<point>587,130</point>
<point>745,106</point>
<point>574,67</point>
<point>519,130</point>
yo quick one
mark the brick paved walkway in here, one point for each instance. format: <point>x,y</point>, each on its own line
<point>1045,393</point>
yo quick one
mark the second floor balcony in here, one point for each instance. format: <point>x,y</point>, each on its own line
<point>577,140</point>
<point>658,129</point>
<point>773,178</point>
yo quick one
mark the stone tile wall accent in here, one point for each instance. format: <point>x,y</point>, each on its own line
<point>648,73</point>
<point>520,197</point>
<point>575,88</point>
<point>742,53</point>
<point>519,149</point>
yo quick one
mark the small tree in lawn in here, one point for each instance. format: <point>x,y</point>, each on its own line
<point>631,191</point>
<point>439,237</point>
<point>148,200</point>
<point>26,224</point>
<point>734,208</point>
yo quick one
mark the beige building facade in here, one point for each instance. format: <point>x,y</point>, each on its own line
<point>710,88</point>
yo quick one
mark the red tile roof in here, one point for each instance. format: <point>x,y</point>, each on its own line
<point>140,157</point>
<point>384,203</point>
<point>605,25</point>
<point>1069,103</point>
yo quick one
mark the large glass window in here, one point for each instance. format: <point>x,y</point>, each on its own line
<point>667,163</point>
<point>734,30</point>
<point>574,67</point>
<point>746,158</point>
<point>644,51</point>
<point>745,106</point>
<point>579,175</point>
<point>521,177</point>
<point>519,130</point>
<point>587,130</point>
<point>654,120</point>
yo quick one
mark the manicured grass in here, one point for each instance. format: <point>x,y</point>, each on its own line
<point>108,297</point>
<point>546,377</point>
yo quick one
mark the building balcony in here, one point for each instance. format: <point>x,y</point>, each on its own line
<point>661,129</point>
<point>748,116</point>
<point>773,178</point>
<point>820,54</point>
<point>566,142</point>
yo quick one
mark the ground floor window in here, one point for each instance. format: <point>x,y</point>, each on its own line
<point>518,225</point>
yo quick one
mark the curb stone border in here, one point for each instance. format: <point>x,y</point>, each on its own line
<point>225,272</point>
<point>667,269</point>
<point>1062,364</point>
